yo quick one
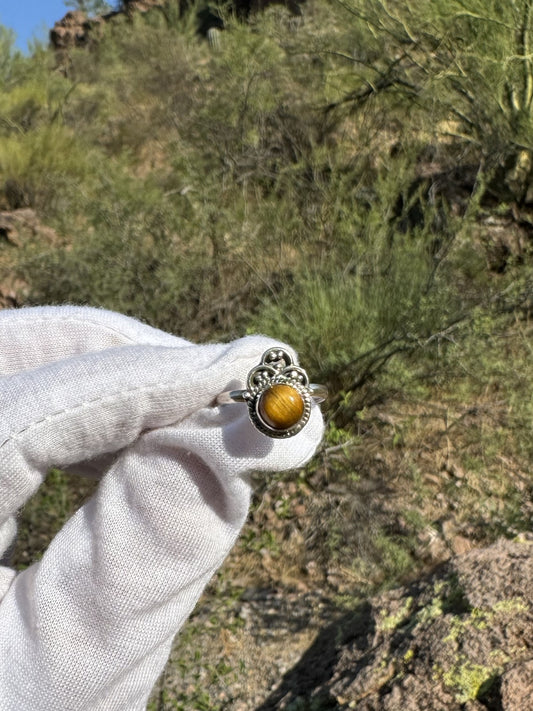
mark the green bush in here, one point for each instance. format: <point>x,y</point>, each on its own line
<point>334,183</point>
<point>463,69</point>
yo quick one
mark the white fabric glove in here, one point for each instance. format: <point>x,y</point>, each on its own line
<point>90,626</point>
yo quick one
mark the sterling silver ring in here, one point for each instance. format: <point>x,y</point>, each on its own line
<point>278,394</point>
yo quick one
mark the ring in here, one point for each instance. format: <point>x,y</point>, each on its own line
<point>278,394</point>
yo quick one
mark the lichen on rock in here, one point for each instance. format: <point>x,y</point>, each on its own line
<point>460,639</point>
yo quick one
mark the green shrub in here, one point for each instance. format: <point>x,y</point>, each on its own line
<point>333,185</point>
<point>463,70</point>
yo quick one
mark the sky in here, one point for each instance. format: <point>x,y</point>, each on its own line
<point>31,19</point>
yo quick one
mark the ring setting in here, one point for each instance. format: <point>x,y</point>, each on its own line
<point>278,394</point>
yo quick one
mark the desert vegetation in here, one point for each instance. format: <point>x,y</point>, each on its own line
<point>356,181</point>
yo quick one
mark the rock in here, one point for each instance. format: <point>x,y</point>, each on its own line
<point>517,687</point>
<point>75,29</point>
<point>19,226</point>
<point>459,640</point>
<point>17,229</point>
<point>505,238</point>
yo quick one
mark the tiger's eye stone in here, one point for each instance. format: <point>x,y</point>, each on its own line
<point>281,406</point>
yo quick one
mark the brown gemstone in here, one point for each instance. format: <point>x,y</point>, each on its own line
<point>281,406</point>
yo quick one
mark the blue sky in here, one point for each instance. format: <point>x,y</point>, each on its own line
<point>31,19</point>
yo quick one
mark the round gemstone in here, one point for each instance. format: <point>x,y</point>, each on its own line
<point>281,406</point>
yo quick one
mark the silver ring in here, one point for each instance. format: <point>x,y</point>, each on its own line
<point>278,394</point>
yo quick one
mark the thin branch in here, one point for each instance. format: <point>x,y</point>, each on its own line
<point>404,344</point>
<point>338,447</point>
<point>361,95</point>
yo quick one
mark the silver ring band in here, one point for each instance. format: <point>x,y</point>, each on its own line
<point>318,392</point>
<point>278,395</point>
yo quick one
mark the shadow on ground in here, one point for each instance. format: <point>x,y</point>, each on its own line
<point>308,681</point>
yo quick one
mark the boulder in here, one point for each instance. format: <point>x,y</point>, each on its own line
<point>73,30</point>
<point>18,229</point>
<point>459,640</point>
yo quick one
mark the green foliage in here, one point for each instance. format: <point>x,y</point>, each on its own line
<point>467,63</point>
<point>40,157</point>
<point>37,167</point>
<point>329,184</point>
<point>334,183</point>
<point>7,43</point>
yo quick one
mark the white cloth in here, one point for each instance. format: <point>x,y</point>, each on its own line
<point>90,626</point>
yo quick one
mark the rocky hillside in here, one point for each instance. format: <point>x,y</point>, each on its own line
<point>460,639</point>
<point>76,29</point>
<point>356,181</point>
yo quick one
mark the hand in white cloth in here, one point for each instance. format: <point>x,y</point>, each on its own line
<point>90,626</point>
